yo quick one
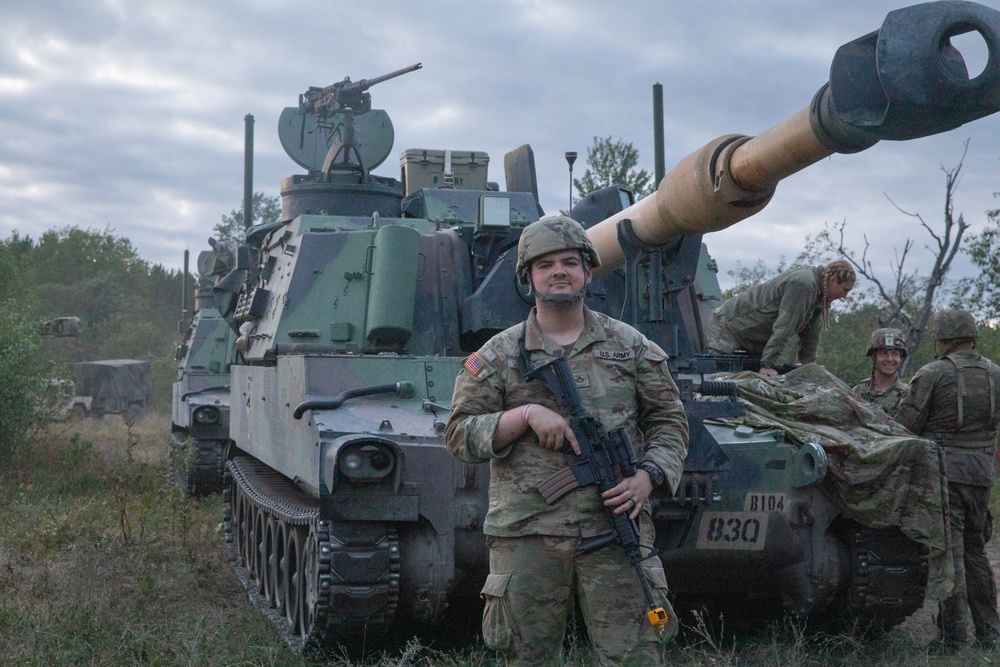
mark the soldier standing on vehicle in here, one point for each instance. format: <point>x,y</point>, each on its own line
<point>762,320</point>
<point>887,349</point>
<point>498,416</point>
<point>955,401</point>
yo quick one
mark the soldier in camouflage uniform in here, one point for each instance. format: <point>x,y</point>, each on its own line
<point>623,379</point>
<point>955,402</point>
<point>762,320</point>
<point>887,349</point>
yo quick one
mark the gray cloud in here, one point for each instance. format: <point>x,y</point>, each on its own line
<point>130,115</point>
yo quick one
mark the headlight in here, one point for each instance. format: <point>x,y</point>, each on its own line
<point>352,462</point>
<point>205,415</point>
<point>366,461</point>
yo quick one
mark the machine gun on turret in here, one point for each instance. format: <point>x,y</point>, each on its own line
<point>333,109</point>
<point>345,95</point>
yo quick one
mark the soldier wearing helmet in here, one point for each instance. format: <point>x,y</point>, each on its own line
<point>554,233</point>
<point>516,425</point>
<point>955,401</point>
<point>762,320</point>
<point>887,349</point>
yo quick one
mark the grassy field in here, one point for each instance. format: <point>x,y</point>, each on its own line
<point>103,563</point>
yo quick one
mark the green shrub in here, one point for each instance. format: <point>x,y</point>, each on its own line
<point>25,369</point>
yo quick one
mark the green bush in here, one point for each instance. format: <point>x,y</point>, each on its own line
<point>25,369</point>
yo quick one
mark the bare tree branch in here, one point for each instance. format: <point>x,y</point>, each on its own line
<point>900,298</point>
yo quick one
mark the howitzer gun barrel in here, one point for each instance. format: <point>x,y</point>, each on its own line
<point>902,81</point>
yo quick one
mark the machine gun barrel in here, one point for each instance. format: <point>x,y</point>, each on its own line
<point>345,94</point>
<point>902,81</point>
<point>365,84</point>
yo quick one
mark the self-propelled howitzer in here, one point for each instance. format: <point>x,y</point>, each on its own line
<point>755,524</point>
<point>347,516</point>
<point>199,429</point>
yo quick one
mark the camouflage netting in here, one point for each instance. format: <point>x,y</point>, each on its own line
<point>879,473</point>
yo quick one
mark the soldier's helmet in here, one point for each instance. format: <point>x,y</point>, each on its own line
<point>955,324</point>
<point>886,339</point>
<point>549,234</point>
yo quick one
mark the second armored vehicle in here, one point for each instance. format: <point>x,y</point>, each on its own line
<point>199,430</point>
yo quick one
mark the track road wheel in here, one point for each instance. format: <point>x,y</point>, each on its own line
<point>270,565</point>
<point>293,565</point>
<point>261,551</point>
<point>311,585</point>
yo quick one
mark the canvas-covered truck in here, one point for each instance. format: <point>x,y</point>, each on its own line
<point>115,386</point>
<point>62,402</point>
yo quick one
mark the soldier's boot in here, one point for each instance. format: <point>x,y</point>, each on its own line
<point>982,594</point>
<point>952,621</point>
<point>987,627</point>
<point>987,632</point>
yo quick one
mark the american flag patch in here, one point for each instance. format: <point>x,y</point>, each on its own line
<point>474,364</point>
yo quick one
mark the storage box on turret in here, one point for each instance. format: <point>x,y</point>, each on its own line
<point>461,170</point>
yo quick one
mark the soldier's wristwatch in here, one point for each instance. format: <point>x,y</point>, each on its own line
<point>655,474</point>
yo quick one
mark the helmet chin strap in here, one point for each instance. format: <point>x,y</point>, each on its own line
<point>559,299</point>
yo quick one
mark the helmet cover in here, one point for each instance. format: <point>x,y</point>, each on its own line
<point>955,324</point>
<point>886,339</point>
<point>552,234</point>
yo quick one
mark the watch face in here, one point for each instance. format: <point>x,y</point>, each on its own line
<point>655,475</point>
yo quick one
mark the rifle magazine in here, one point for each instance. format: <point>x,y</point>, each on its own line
<point>557,485</point>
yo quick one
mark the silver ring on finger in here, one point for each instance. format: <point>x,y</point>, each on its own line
<point>634,501</point>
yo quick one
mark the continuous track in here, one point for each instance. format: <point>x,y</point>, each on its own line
<point>300,570</point>
<point>888,583</point>
<point>200,472</point>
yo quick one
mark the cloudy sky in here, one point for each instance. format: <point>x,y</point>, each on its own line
<point>129,115</point>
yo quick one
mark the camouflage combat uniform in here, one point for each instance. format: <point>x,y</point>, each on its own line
<point>965,424</point>
<point>763,319</point>
<point>623,380</point>
<point>888,399</point>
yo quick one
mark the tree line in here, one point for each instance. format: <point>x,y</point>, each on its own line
<point>129,309</point>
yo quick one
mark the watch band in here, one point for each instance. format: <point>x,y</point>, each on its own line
<point>655,474</point>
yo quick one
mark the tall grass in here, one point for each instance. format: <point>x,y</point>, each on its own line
<point>102,562</point>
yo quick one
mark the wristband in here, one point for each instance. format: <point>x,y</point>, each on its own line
<point>524,415</point>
